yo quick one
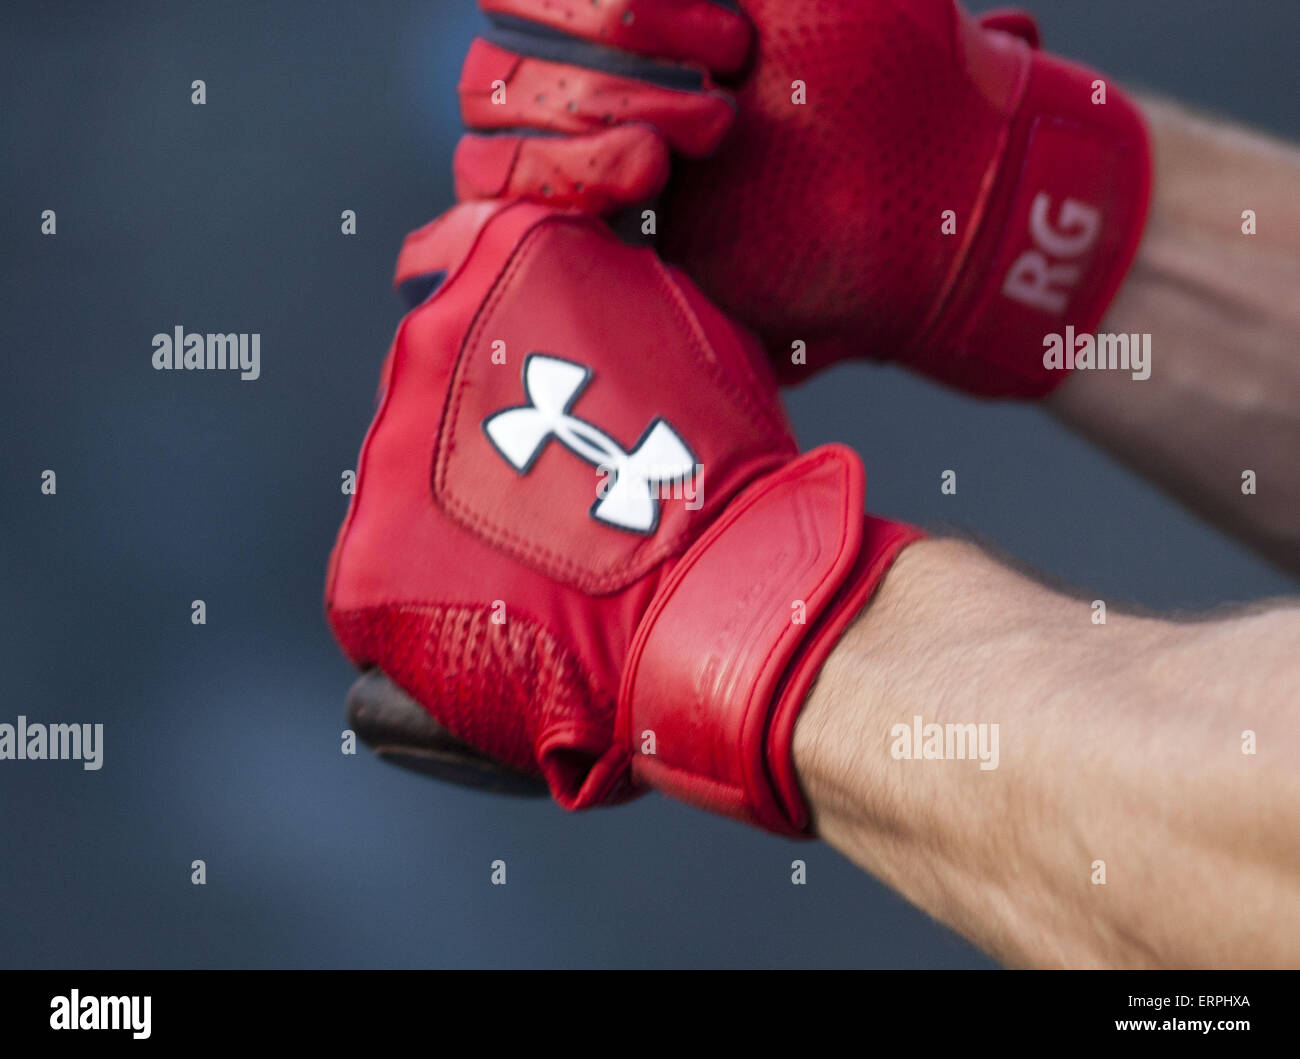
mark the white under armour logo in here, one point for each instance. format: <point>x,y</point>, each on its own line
<point>552,385</point>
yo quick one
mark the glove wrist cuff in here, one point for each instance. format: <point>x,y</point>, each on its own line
<point>737,632</point>
<point>1053,238</point>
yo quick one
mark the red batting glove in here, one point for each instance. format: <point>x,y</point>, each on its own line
<point>946,195</point>
<point>583,538</point>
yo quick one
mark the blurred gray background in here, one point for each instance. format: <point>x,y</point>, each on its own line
<point>222,741</point>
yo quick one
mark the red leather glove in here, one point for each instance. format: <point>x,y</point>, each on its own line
<point>827,221</point>
<point>583,538</point>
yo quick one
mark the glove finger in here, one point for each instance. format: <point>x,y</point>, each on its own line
<point>1018,23</point>
<point>400,732</point>
<point>596,173</point>
<point>502,90</point>
<point>709,33</point>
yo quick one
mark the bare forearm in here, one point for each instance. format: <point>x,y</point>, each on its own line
<point>1223,311</point>
<point>1119,751</point>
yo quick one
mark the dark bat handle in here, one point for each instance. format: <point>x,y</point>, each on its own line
<point>399,730</point>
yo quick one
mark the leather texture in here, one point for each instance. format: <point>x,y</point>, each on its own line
<point>823,221</point>
<point>515,587</point>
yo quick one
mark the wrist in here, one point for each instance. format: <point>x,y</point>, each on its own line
<point>840,739</point>
<point>954,639</point>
